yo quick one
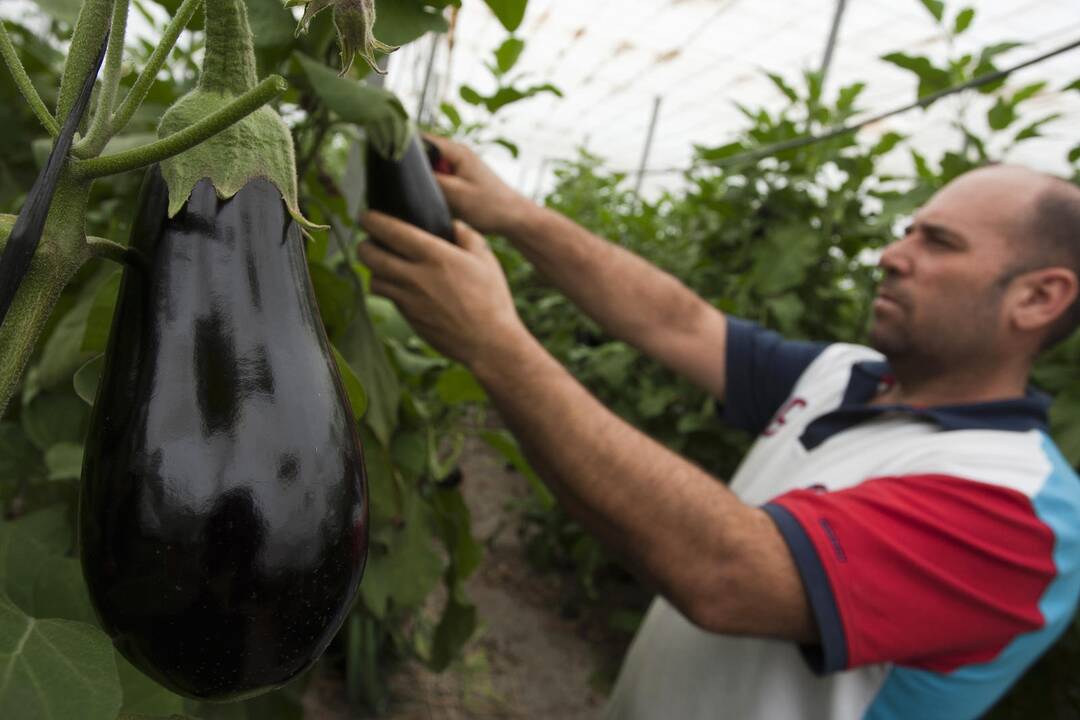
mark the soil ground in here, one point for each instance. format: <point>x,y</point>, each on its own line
<point>527,661</point>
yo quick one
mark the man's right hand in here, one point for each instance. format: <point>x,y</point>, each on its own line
<point>476,194</point>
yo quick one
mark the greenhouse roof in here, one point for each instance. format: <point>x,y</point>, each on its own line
<point>612,60</point>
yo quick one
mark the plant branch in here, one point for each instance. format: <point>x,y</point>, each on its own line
<point>187,138</point>
<point>101,128</point>
<point>109,250</point>
<point>23,82</point>
<point>153,66</point>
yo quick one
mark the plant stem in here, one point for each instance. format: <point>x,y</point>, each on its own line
<point>109,250</point>
<point>157,59</point>
<point>101,128</point>
<point>62,251</point>
<point>23,82</point>
<point>187,138</point>
<point>90,30</point>
<point>229,65</point>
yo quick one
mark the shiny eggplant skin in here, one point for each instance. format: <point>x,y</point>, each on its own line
<point>407,190</point>
<point>223,514</point>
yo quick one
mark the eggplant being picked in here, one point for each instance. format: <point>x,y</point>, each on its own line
<point>223,513</point>
<point>405,188</point>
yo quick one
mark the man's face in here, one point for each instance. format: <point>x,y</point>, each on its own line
<point>940,302</point>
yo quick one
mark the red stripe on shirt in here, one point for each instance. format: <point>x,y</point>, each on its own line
<point>929,571</point>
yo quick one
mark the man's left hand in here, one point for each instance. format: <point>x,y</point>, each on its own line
<point>455,296</point>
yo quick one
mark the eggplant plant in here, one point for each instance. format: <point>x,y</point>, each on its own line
<point>240,419</point>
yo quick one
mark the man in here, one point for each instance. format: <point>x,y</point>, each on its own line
<point>903,540</point>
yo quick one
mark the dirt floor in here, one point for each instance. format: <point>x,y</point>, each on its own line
<point>527,661</point>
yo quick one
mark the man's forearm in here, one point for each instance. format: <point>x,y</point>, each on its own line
<point>627,296</point>
<point>670,519</point>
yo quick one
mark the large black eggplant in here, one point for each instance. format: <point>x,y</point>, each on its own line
<point>406,189</point>
<point>223,516</point>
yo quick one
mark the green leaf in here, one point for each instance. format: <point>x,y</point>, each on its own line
<point>887,143</point>
<point>1074,85</point>
<point>52,418</point>
<point>378,111</point>
<point>935,8</point>
<point>335,295</point>
<point>963,20</point>
<point>19,458</point>
<point>780,83</point>
<point>457,625</point>
<point>470,96</point>
<point>64,461</point>
<point>365,354</point>
<point>507,54</point>
<point>451,114</point>
<point>55,669</point>
<point>509,12</point>
<point>457,385</point>
<point>62,354</point>
<point>454,522</point>
<point>1001,115</point>
<point>848,95</point>
<point>721,152</point>
<point>99,320</point>
<point>63,10</point>
<point>932,79</point>
<point>353,387</point>
<point>408,567</point>
<point>399,22</point>
<point>1074,154</point>
<point>782,259</point>
<point>511,147</point>
<point>143,696</point>
<point>272,25</point>
<point>506,445</point>
<point>87,378</point>
<point>1028,92</point>
<point>1033,130</point>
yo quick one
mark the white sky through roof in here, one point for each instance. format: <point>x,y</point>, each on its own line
<point>612,58</point>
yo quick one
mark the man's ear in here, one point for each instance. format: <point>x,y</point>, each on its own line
<point>1043,296</point>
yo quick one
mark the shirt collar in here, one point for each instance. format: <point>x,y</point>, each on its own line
<point>1030,412</point>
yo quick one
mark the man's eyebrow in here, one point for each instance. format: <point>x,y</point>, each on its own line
<point>941,231</point>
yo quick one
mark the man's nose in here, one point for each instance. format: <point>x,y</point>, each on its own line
<point>895,259</point>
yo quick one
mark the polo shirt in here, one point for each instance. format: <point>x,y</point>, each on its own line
<point>939,548</point>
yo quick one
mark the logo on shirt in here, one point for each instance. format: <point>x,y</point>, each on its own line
<point>782,416</point>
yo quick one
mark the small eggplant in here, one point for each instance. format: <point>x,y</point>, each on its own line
<point>26,235</point>
<point>223,515</point>
<point>406,188</point>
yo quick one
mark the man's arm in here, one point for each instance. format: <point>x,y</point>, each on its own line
<point>631,299</point>
<point>724,564</point>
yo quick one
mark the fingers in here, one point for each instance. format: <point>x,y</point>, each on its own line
<point>383,263</point>
<point>453,189</point>
<point>452,151</point>
<point>468,239</point>
<point>401,238</point>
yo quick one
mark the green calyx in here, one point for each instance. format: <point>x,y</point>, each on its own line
<point>354,21</point>
<point>260,145</point>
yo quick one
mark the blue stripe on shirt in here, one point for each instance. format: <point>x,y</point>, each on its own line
<point>762,369</point>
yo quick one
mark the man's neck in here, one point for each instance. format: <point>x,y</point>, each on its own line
<point>928,389</point>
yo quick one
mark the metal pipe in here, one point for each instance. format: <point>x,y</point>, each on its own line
<point>648,145</point>
<point>841,5</point>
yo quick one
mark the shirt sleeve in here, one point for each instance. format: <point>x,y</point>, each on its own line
<point>927,571</point>
<point>762,369</point>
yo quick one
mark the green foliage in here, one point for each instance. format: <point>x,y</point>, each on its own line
<point>789,242</point>
<point>410,401</point>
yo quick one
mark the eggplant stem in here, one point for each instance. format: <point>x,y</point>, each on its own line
<point>185,139</point>
<point>110,250</point>
<point>157,60</point>
<point>101,127</point>
<point>25,85</point>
